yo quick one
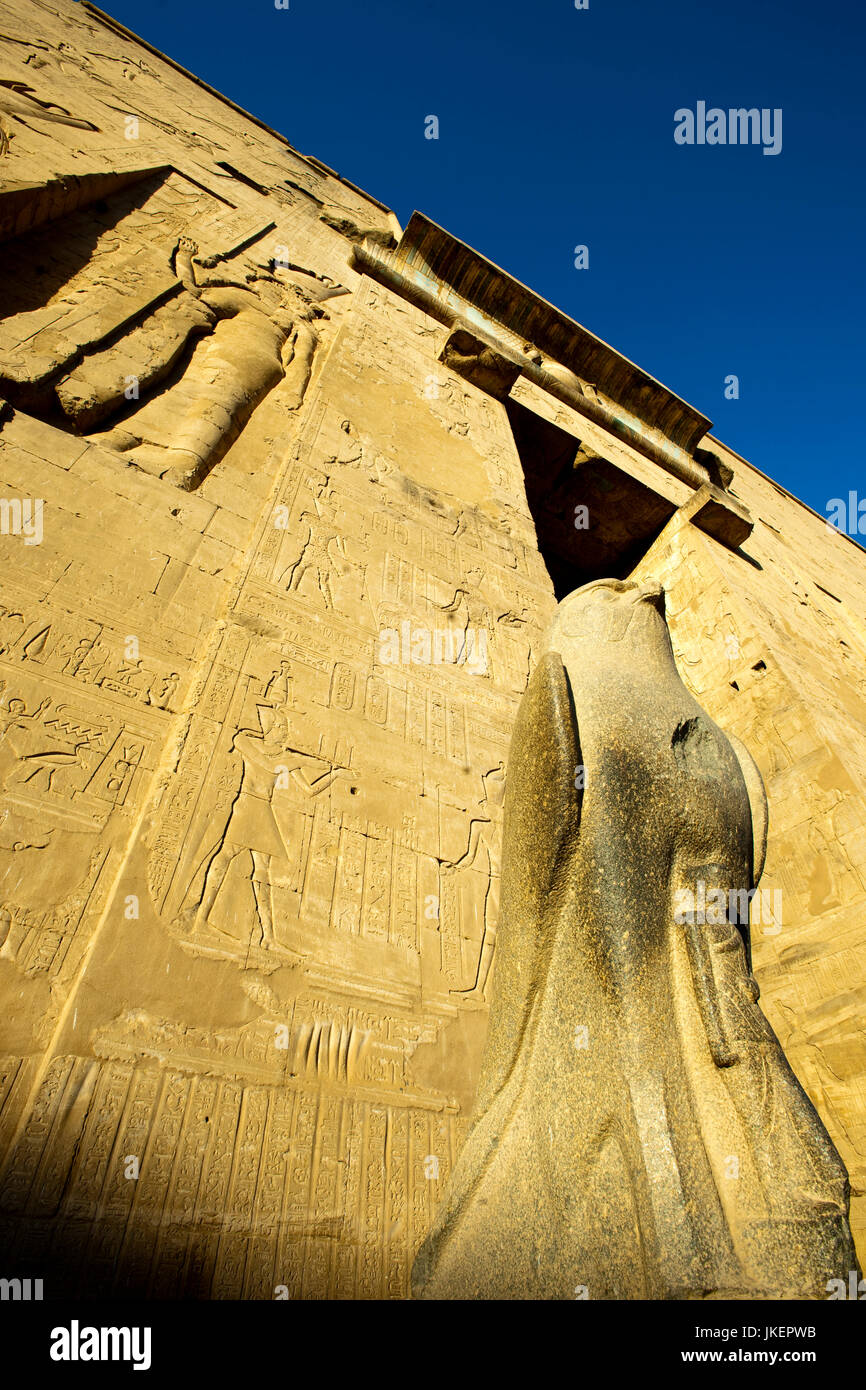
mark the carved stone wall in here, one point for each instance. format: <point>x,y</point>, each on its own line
<point>271,590</point>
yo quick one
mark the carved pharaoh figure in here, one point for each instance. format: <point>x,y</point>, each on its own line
<point>259,334</point>
<point>638,1131</point>
<point>252,832</point>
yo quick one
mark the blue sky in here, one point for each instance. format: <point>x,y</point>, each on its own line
<point>556,129</point>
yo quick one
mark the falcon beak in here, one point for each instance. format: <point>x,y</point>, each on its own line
<point>653,594</point>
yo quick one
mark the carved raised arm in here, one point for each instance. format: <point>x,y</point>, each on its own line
<point>183,263</point>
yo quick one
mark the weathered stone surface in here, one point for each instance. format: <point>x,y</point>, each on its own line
<point>638,1131</point>
<point>252,519</point>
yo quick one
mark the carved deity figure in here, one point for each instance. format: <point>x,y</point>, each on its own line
<point>259,333</point>
<point>638,1131</point>
<point>480,852</point>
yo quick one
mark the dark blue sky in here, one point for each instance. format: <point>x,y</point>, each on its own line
<point>556,129</point>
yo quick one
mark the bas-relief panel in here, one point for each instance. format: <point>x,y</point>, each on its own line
<point>337,789</point>
<point>291,1190</point>
<point>314,824</point>
<point>327,817</point>
<point>80,732</point>
<point>156,344</point>
<point>74,85</point>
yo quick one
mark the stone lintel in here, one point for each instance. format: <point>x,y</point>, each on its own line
<point>499,295</point>
<point>454,284</point>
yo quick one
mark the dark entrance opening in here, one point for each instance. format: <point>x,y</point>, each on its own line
<point>622,519</point>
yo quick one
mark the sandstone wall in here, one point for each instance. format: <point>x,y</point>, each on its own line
<point>253,732</point>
